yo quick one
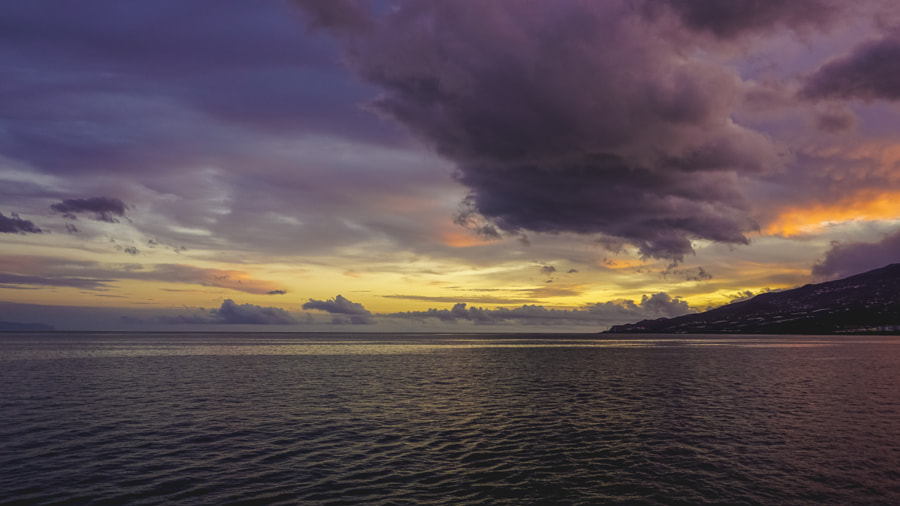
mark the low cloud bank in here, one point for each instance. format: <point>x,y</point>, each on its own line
<point>345,311</point>
<point>233,313</point>
<point>658,305</point>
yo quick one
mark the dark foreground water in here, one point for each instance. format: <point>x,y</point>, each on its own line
<point>450,419</point>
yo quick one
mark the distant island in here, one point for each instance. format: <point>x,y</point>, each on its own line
<point>864,303</point>
<point>16,326</point>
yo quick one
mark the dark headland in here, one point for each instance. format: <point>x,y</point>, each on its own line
<point>864,303</point>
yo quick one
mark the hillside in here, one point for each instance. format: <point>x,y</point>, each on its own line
<point>867,302</point>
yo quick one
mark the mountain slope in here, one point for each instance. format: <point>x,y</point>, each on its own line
<point>865,302</point>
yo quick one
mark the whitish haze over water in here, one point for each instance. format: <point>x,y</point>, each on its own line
<point>490,419</point>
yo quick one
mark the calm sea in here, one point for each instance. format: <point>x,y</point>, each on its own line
<point>447,419</point>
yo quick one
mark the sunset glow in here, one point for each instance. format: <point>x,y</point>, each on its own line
<point>865,206</point>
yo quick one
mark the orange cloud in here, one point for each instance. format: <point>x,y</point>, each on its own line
<point>463,239</point>
<point>865,205</point>
<point>621,263</point>
<point>230,279</point>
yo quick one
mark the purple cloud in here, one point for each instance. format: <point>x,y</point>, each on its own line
<point>55,271</point>
<point>103,208</point>
<point>231,312</point>
<point>358,315</point>
<point>16,225</point>
<point>337,305</point>
<point>16,280</point>
<point>521,97</point>
<point>847,259</point>
<point>732,18</point>
<point>835,120</point>
<point>349,15</point>
<point>870,72</point>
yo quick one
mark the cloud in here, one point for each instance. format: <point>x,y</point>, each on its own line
<point>599,314</point>
<point>519,96</point>
<point>103,208</point>
<point>698,274</point>
<point>358,315</point>
<point>15,225</point>
<point>742,296</point>
<point>276,292</point>
<point>55,271</point>
<point>232,313</point>
<point>337,305</point>
<point>180,273</point>
<point>349,15</point>
<point>555,291</point>
<point>663,304</point>
<point>16,280</point>
<point>453,299</point>
<point>870,72</point>
<point>847,259</point>
<point>835,120</point>
<point>180,84</point>
<point>736,17</point>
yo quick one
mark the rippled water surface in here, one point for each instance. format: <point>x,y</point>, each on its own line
<point>450,419</point>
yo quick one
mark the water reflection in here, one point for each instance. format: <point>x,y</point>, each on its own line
<point>84,345</point>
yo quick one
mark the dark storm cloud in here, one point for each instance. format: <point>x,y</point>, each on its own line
<point>600,314</point>
<point>356,313</point>
<point>847,259</point>
<point>16,225</point>
<point>570,116</point>
<point>730,18</point>
<point>102,208</point>
<point>870,72</point>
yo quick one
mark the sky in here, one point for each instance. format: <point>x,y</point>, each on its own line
<point>438,165</point>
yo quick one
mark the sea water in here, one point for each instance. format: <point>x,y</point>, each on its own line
<point>447,419</point>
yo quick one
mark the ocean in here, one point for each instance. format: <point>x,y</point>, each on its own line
<point>169,418</point>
